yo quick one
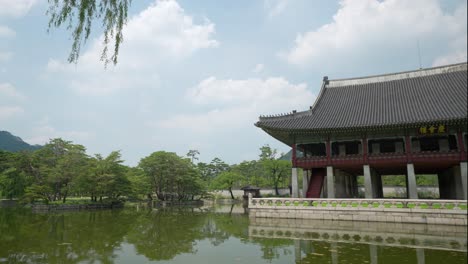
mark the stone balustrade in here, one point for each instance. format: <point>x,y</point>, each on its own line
<point>356,204</point>
<point>450,212</point>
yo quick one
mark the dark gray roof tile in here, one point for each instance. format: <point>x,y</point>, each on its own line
<point>421,96</point>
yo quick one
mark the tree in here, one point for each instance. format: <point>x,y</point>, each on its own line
<point>59,163</point>
<point>276,170</point>
<point>172,177</point>
<point>109,177</point>
<point>140,184</point>
<point>252,171</point>
<point>226,181</point>
<point>192,154</point>
<point>78,16</point>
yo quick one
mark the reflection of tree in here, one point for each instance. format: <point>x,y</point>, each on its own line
<point>272,248</point>
<point>165,234</point>
<point>62,238</point>
<point>96,237</point>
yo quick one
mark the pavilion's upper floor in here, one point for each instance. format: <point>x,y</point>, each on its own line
<point>408,117</point>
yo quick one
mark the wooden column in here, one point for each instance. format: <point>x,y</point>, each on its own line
<point>293,155</point>
<point>328,150</point>
<point>365,151</point>
<point>408,151</point>
<point>461,146</point>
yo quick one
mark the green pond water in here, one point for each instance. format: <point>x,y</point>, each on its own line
<point>215,235</point>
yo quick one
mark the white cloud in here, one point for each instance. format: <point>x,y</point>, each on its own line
<point>44,132</point>
<point>258,68</point>
<point>15,8</point>
<point>8,94</point>
<point>7,90</point>
<point>7,112</point>
<point>161,34</point>
<point>275,7</point>
<point>372,28</point>
<point>451,58</point>
<point>4,56</point>
<point>6,32</point>
<point>238,103</point>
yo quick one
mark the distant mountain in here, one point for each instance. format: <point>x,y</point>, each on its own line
<point>13,143</point>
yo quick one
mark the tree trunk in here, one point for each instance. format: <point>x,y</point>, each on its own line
<point>232,195</point>
<point>65,196</point>
<point>276,190</point>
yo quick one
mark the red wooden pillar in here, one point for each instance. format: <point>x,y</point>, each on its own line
<point>409,155</point>
<point>365,151</point>
<point>461,146</point>
<point>293,155</point>
<point>328,150</point>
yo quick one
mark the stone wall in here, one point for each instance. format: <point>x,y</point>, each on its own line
<point>447,212</point>
<point>72,207</point>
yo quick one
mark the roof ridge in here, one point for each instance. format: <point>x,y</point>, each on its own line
<point>397,75</point>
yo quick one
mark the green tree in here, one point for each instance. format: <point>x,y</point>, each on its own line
<point>78,16</point>
<point>110,176</point>
<point>140,184</point>
<point>59,163</point>
<point>172,177</point>
<point>12,183</point>
<point>252,171</point>
<point>277,171</point>
<point>227,180</point>
<point>193,154</point>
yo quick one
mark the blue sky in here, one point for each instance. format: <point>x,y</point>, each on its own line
<point>197,74</point>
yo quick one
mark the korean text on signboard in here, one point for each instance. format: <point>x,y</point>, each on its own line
<point>432,129</point>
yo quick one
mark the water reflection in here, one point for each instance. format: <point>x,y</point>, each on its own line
<point>219,234</point>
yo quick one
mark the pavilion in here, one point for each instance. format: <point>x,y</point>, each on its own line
<point>404,123</point>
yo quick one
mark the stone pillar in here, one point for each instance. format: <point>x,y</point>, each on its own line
<point>421,259</point>
<point>324,193</point>
<point>367,182</point>
<point>330,182</point>
<point>348,186</point>
<point>411,187</point>
<point>377,188</point>
<point>447,188</point>
<point>305,182</point>
<point>463,176</point>
<point>373,254</point>
<point>334,253</point>
<point>294,186</point>
<point>340,188</point>
<point>354,186</point>
<point>297,250</point>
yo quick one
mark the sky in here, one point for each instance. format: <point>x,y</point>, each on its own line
<point>198,74</point>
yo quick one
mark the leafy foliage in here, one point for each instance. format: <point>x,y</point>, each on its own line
<point>172,177</point>
<point>226,181</point>
<point>78,16</point>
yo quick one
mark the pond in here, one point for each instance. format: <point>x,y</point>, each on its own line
<point>215,235</point>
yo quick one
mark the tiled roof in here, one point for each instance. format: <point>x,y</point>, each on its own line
<point>421,96</point>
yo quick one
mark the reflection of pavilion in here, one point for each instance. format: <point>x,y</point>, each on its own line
<point>394,124</point>
<point>310,234</point>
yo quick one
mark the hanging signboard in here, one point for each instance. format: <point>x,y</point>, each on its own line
<point>432,129</point>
